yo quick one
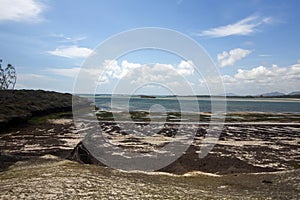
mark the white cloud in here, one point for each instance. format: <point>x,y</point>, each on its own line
<point>71,52</point>
<point>264,79</point>
<point>159,75</point>
<point>186,67</point>
<point>21,10</point>
<point>127,75</point>
<point>156,73</point>
<point>138,73</point>
<point>127,69</point>
<point>245,26</point>
<point>131,75</point>
<point>229,58</point>
<point>114,70</point>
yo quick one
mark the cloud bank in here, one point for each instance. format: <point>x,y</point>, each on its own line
<point>252,81</point>
<point>264,79</point>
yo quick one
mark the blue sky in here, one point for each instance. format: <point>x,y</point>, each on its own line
<point>254,44</point>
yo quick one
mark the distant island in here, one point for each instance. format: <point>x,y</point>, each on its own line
<point>147,96</point>
<point>295,94</point>
<point>276,94</point>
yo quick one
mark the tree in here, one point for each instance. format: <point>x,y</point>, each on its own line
<point>8,77</point>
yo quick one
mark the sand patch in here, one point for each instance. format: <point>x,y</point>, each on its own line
<point>60,121</point>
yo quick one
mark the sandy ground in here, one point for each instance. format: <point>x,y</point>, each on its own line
<point>49,177</point>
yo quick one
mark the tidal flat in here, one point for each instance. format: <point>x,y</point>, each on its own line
<point>249,161</point>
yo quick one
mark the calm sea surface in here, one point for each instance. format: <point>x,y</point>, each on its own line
<point>193,104</point>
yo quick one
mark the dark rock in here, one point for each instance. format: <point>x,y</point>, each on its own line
<point>9,159</point>
<point>201,132</point>
<point>266,181</point>
<point>82,155</point>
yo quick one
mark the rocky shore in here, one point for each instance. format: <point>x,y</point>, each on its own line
<point>240,149</point>
<point>250,160</point>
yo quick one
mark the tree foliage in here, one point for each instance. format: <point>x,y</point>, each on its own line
<point>8,77</point>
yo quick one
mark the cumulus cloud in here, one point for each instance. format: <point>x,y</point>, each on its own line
<point>132,74</point>
<point>229,58</point>
<point>71,52</point>
<point>21,10</point>
<point>114,70</point>
<point>157,71</point>
<point>245,26</point>
<point>173,77</point>
<point>111,69</point>
<point>264,79</point>
<point>127,75</point>
<point>186,67</point>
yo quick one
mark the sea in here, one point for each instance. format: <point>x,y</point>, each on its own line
<point>192,104</point>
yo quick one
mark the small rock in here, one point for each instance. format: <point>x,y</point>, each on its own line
<point>267,181</point>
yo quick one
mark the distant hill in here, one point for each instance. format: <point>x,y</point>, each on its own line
<point>294,93</point>
<point>231,95</point>
<point>272,94</point>
<point>228,94</point>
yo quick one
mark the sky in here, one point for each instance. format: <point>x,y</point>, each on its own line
<point>254,44</point>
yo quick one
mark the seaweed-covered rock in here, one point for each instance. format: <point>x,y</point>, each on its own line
<point>188,162</point>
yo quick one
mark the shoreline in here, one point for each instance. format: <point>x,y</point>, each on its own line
<point>201,123</point>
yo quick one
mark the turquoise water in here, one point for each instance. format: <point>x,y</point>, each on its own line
<point>190,104</point>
